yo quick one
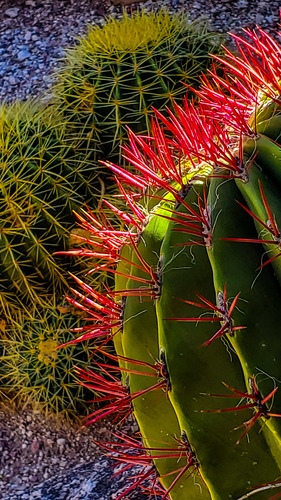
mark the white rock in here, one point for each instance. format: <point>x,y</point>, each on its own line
<point>12,80</point>
<point>12,12</point>
<point>28,36</point>
<point>23,54</point>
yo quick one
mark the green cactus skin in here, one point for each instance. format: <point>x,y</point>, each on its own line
<point>117,73</point>
<point>42,181</point>
<point>34,372</point>
<point>267,110</point>
<point>196,372</point>
<point>252,194</point>
<point>121,280</point>
<point>268,153</point>
<point>271,128</point>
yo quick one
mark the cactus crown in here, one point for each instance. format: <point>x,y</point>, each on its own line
<point>132,33</point>
<point>114,76</point>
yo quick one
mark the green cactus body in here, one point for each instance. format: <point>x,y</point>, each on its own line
<point>267,153</point>
<point>125,267</point>
<point>270,128</point>
<point>42,181</point>
<point>117,73</point>
<point>121,280</point>
<point>214,324</point>
<point>266,110</point>
<point>251,192</point>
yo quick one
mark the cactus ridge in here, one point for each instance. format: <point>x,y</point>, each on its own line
<point>146,347</point>
<point>202,299</point>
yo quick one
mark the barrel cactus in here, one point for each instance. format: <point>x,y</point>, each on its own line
<point>116,73</point>
<point>195,310</point>
<point>43,179</point>
<point>34,371</point>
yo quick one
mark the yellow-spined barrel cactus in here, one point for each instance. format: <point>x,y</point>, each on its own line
<point>34,371</point>
<point>195,311</point>
<point>116,73</point>
<point>42,180</point>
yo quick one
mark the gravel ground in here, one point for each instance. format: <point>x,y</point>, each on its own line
<point>34,33</point>
<point>48,458</point>
<point>89,481</point>
<point>32,448</point>
<point>39,457</point>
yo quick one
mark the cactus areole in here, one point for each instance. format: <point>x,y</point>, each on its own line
<point>195,313</point>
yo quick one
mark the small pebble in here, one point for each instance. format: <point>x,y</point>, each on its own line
<point>27,36</point>
<point>13,12</point>
<point>23,54</point>
<point>12,80</point>
<point>61,441</point>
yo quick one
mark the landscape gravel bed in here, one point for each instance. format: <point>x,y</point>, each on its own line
<point>89,481</point>
<point>35,33</point>
<point>49,458</point>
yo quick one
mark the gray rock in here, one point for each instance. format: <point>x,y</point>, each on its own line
<point>61,441</point>
<point>12,80</point>
<point>259,19</point>
<point>23,54</point>
<point>27,36</point>
<point>269,19</point>
<point>12,12</point>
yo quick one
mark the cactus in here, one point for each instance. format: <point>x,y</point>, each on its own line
<point>116,73</point>
<point>34,372</point>
<point>42,181</point>
<point>195,310</point>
